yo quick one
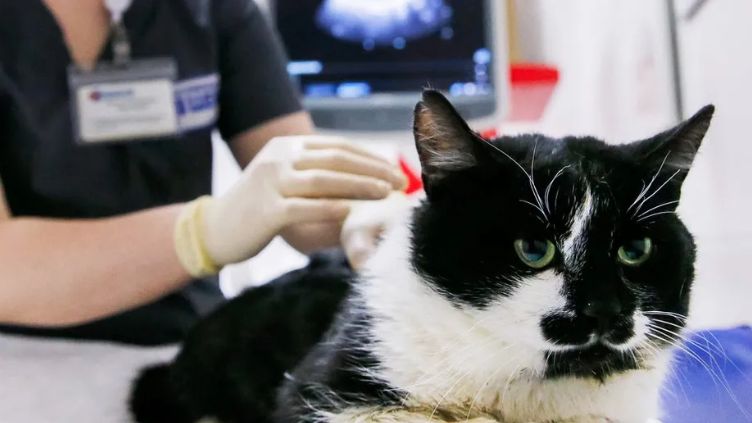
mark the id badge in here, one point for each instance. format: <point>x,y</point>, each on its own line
<point>128,102</point>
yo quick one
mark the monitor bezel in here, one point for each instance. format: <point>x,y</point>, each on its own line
<point>490,107</point>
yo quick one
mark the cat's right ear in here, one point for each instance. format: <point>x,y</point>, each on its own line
<point>676,148</point>
<point>444,141</point>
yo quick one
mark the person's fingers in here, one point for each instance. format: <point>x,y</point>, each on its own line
<point>344,161</point>
<point>324,143</point>
<point>301,210</point>
<point>359,247</point>
<point>316,183</point>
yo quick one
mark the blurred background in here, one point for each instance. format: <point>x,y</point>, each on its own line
<point>620,70</point>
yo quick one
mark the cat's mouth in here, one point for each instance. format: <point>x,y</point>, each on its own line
<point>598,359</point>
<point>620,343</point>
<point>577,349</point>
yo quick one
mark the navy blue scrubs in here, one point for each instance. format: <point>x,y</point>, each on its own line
<point>45,173</point>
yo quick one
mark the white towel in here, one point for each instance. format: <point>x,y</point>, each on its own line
<point>46,381</point>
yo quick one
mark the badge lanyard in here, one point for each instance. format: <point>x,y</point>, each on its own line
<point>121,45</point>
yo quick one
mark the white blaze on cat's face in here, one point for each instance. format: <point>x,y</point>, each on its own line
<point>573,246</point>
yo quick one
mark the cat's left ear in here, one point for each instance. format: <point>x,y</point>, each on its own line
<point>444,141</point>
<point>677,147</point>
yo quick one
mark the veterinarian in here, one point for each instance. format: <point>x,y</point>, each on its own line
<point>107,107</point>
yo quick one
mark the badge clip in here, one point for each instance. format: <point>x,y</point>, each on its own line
<point>121,45</point>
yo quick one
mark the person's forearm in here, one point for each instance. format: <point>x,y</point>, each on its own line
<point>63,272</point>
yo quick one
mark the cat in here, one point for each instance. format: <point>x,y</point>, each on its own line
<point>539,280</point>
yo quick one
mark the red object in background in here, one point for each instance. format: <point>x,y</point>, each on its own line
<point>414,181</point>
<point>531,88</point>
<point>489,133</point>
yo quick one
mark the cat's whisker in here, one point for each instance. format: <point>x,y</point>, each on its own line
<point>719,347</point>
<point>678,328</point>
<point>508,383</point>
<point>550,184</point>
<point>448,372</point>
<point>636,360</point>
<point>674,326</point>
<point>536,195</point>
<point>651,347</point>
<point>678,316</point>
<point>674,336</point>
<point>533,188</point>
<point>451,360</point>
<point>490,144</point>
<point>556,197</point>
<point>714,363</point>
<point>681,379</point>
<point>690,341</point>
<point>646,199</point>
<point>487,383</point>
<point>446,394</point>
<point>654,215</point>
<point>714,376</point>
<point>665,312</point>
<point>668,203</point>
<point>647,188</point>
<point>477,323</point>
<point>655,351</point>
<point>483,386</point>
<point>678,345</point>
<point>533,205</point>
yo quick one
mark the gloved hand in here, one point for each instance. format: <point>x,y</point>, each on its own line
<point>292,180</point>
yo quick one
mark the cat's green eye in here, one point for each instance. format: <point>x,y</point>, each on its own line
<point>536,253</point>
<point>635,252</point>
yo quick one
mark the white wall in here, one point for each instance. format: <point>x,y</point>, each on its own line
<point>717,68</point>
<point>613,59</point>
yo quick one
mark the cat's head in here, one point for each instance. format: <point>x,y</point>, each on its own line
<point>569,246</point>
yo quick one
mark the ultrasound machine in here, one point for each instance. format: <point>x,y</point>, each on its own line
<point>361,64</point>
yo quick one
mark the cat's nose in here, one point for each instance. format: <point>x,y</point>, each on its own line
<point>603,312</point>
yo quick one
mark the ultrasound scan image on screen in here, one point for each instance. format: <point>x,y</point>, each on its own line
<point>357,48</point>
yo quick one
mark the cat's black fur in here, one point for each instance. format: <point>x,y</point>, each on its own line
<point>232,361</point>
<point>462,246</point>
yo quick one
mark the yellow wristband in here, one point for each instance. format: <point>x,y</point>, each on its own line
<point>189,240</point>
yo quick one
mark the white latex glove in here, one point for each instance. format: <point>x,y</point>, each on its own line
<point>366,222</point>
<point>293,180</point>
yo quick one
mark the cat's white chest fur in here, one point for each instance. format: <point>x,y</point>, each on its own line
<point>472,363</point>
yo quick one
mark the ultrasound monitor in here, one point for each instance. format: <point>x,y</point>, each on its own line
<point>361,64</point>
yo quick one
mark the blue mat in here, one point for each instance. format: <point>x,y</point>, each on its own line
<point>712,381</point>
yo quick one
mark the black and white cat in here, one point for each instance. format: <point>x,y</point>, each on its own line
<point>540,280</point>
